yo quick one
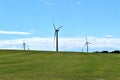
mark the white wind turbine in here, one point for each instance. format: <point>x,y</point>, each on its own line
<point>86,45</point>
<point>56,36</point>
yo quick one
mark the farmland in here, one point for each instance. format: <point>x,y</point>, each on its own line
<point>41,65</point>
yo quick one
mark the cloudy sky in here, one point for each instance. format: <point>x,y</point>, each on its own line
<point>31,21</point>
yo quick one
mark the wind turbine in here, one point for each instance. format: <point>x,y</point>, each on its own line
<point>24,45</point>
<point>56,35</point>
<point>86,45</point>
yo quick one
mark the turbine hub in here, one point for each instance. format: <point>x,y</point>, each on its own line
<point>57,30</point>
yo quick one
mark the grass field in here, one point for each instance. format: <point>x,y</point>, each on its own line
<point>34,65</point>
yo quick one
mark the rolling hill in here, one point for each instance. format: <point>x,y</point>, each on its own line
<point>41,65</point>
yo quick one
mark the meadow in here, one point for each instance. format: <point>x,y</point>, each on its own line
<point>41,65</point>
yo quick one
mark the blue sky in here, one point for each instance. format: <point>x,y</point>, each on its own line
<point>23,19</point>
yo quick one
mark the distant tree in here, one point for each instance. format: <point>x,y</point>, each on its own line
<point>96,52</point>
<point>104,52</point>
<point>116,51</point>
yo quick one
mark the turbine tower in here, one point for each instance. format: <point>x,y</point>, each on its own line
<point>56,36</point>
<point>86,45</point>
<point>24,45</point>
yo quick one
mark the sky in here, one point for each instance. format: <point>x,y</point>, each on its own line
<point>31,21</point>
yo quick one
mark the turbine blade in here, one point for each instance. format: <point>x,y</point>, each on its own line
<point>54,26</point>
<point>89,43</point>
<point>86,39</point>
<point>59,27</point>
<point>84,46</point>
<point>54,36</point>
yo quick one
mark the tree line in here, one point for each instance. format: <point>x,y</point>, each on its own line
<point>114,52</point>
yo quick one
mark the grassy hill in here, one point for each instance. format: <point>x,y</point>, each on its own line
<point>35,65</point>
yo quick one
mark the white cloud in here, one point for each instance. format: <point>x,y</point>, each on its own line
<point>14,32</point>
<point>75,3</point>
<point>78,2</point>
<point>47,2</point>
<point>110,36</point>
<point>65,44</point>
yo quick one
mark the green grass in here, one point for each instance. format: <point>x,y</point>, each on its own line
<point>35,65</point>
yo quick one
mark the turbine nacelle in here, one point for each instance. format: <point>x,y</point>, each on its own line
<point>57,30</point>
